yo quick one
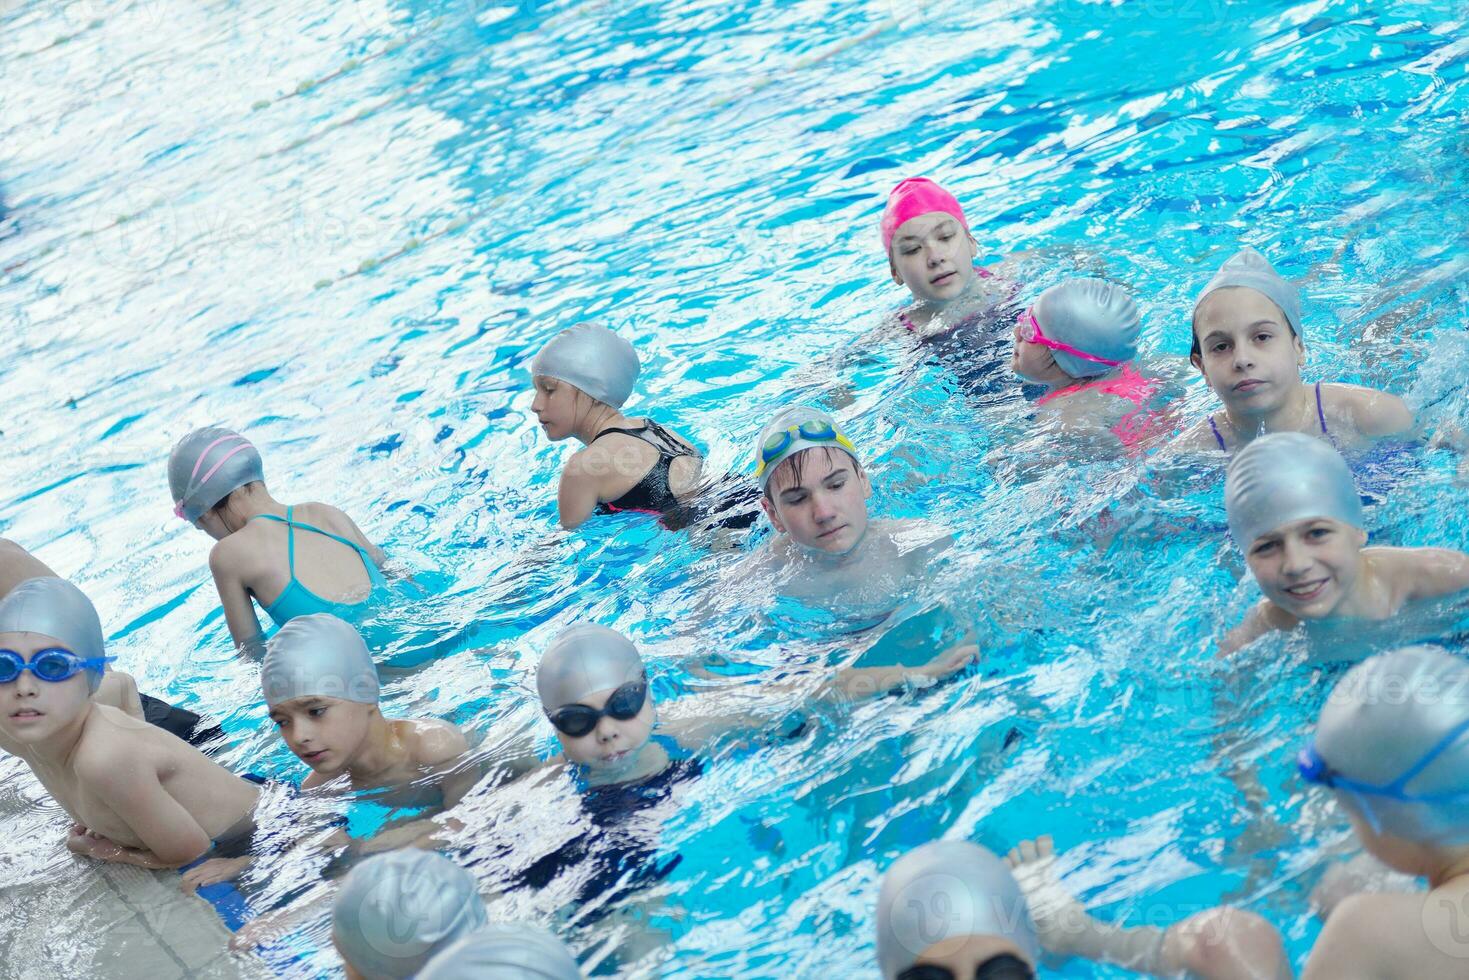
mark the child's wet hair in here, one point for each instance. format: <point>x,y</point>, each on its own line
<point>795,464</point>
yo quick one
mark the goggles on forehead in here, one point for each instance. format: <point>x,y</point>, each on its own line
<point>818,431</point>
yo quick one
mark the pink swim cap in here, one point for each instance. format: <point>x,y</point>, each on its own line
<point>912,197</point>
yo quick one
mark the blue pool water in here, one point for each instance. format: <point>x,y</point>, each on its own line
<point>344,228</point>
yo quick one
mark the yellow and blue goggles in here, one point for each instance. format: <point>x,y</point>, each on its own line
<point>777,445</point>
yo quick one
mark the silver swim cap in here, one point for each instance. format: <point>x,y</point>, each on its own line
<point>1250,269</point>
<point>1095,317</point>
<point>582,660</point>
<point>396,911</point>
<point>945,889</point>
<point>318,655</point>
<point>813,429</point>
<point>54,607</point>
<point>206,465</point>
<point>1399,723</point>
<point>1284,477</point>
<point>504,952</point>
<point>594,359</point>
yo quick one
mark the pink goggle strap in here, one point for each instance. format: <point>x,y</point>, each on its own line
<point>178,507</point>
<point>1037,337</point>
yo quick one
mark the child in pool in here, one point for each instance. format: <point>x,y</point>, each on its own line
<point>815,493</point>
<point>1392,743</point>
<point>292,559</point>
<point>1079,339</point>
<point>321,687</point>
<point>931,251</point>
<point>952,910</point>
<point>1294,511</point>
<point>137,795</point>
<point>1248,345</point>
<point>396,912</point>
<point>582,378</point>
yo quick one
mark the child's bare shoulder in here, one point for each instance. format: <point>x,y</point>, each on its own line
<point>1372,412</point>
<point>1379,935</point>
<point>113,745</point>
<point>431,740</point>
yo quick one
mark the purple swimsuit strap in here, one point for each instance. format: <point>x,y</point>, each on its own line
<point>1320,417</point>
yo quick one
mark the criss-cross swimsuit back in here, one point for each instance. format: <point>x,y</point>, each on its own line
<point>1320,417</point>
<point>296,599</point>
<point>652,494</point>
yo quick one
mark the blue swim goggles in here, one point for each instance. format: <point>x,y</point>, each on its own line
<point>53,664</point>
<point>816,430</point>
<point>1317,771</point>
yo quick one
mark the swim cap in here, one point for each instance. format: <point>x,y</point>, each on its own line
<point>1393,719</point>
<point>946,889</point>
<point>1250,269</point>
<point>594,359</point>
<point>912,197</point>
<point>395,911</point>
<point>504,952</point>
<point>1284,477</point>
<point>1092,315</point>
<point>814,422</point>
<point>206,465</point>
<point>54,607</point>
<point>318,655</point>
<point>582,660</point>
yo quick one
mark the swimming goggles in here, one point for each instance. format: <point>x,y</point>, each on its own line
<point>1030,332</point>
<point>1002,967</point>
<point>623,704</point>
<point>54,664</point>
<point>816,430</point>
<point>1317,771</point>
<point>193,486</point>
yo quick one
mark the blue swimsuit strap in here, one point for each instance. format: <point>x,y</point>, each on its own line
<point>291,525</point>
<point>1320,417</point>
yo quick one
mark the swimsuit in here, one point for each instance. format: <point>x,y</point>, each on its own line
<point>296,599</point>
<point>652,493</point>
<point>1135,425</point>
<point>1320,416</point>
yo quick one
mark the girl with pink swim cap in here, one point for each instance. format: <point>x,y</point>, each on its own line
<point>931,251</point>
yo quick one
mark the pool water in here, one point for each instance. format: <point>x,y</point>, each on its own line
<point>345,228</point>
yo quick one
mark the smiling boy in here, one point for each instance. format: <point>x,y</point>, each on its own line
<point>1294,511</point>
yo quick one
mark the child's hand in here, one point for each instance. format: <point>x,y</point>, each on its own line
<point>950,662</point>
<point>261,931</point>
<point>1059,917</point>
<point>212,872</point>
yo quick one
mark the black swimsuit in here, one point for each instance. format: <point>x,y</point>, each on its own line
<point>652,493</point>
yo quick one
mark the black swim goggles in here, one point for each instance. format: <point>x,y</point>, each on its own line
<point>1002,967</point>
<point>53,664</point>
<point>623,704</point>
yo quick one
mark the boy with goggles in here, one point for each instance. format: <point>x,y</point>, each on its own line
<point>137,794</point>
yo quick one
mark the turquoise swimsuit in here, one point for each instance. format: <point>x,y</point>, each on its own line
<point>297,600</point>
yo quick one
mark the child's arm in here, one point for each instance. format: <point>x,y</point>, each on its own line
<point>1259,621</point>
<point>239,611</point>
<point>130,787</point>
<point>1438,572</point>
<point>858,683</point>
<point>1215,944</point>
<point>576,497</point>
<point>1377,413</point>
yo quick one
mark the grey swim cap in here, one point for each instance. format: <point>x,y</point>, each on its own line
<point>54,607</point>
<point>793,418</point>
<point>396,911</point>
<point>1284,477</point>
<point>1095,317</point>
<point>1383,720</point>
<point>582,660</point>
<point>1250,269</point>
<point>318,655</point>
<point>504,952</point>
<point>946,889</point>
<point>206,465</point>
<point>594,359</point>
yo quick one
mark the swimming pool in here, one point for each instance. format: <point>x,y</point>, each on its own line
<point>346,229</point>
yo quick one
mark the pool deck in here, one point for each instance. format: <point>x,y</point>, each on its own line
<point>124,922</point>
